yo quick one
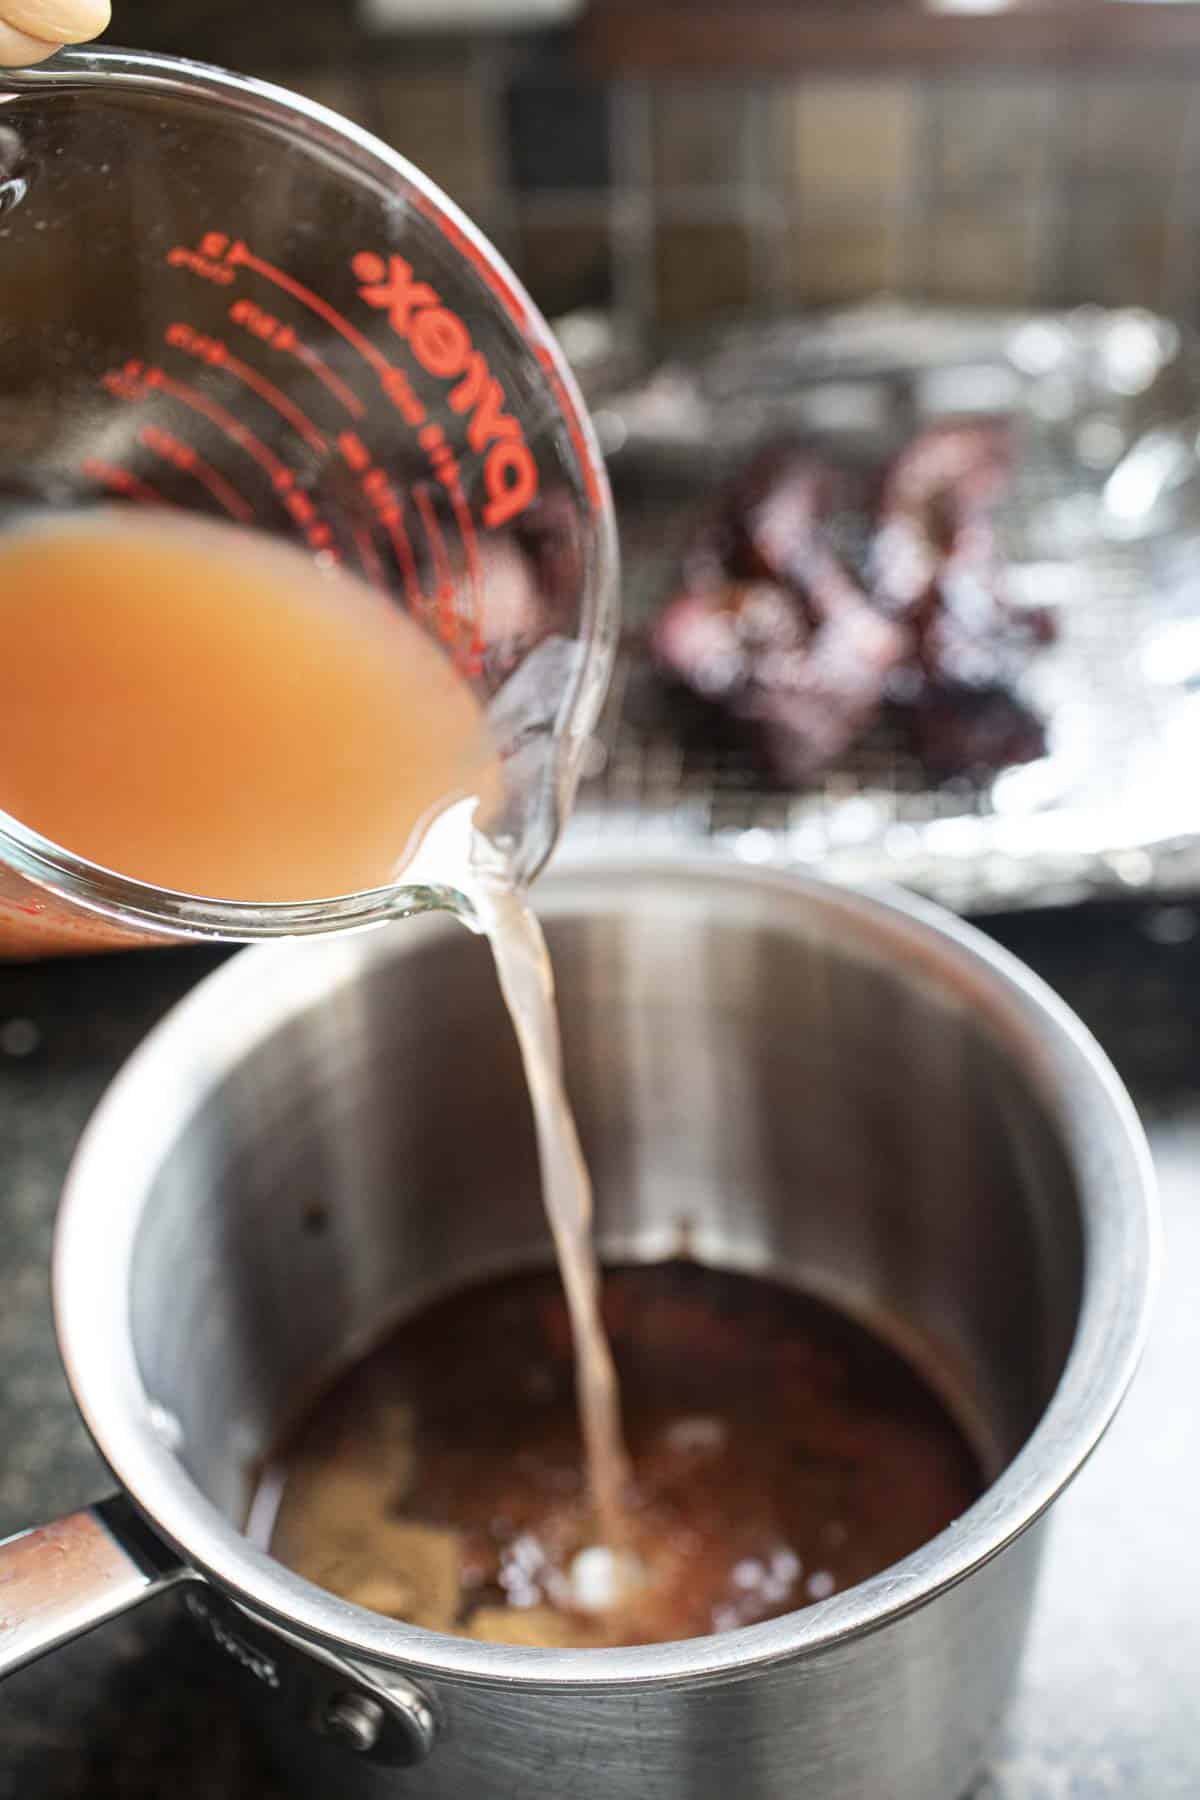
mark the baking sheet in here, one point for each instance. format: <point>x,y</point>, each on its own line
<point>1113,808</point>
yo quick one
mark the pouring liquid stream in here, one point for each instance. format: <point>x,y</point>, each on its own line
<point>208,711</point>
<point>527,984</point>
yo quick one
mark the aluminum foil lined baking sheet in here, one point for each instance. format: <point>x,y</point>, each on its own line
<point>1114,807</point>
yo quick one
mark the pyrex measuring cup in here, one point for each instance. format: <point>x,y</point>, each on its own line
<point>215,295</point>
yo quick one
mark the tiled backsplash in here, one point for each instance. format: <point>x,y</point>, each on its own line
<point>678,200</point>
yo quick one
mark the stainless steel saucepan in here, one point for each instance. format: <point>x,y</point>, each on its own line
<point>857,1095</point>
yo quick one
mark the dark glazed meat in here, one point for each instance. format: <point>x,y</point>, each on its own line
<point>933,513</point>
<point>954,728</point>
<point>803,668</point>
<point>827,692</point>
<point>766,523</point>
<point>773,630</point>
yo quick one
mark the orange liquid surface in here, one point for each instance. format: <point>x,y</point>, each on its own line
<point>208,710</point>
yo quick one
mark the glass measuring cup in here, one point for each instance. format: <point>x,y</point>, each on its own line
<point>219,296</point>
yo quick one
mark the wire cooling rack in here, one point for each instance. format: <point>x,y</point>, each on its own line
<point>1114,807</point>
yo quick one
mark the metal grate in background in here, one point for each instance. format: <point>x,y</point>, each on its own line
<point>1113,809</point>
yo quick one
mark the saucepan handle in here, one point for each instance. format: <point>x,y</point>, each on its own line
<point>58,1581</point>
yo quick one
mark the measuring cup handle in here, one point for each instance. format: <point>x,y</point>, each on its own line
<point>58,1581</point>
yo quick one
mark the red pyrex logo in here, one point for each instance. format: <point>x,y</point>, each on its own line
<point>441,344</point>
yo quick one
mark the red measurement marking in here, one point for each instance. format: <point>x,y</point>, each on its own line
<point>183,258</point>
<point>283,406</point>
<point>126,383</point>
<point>337,387</point>
<point>218,355</point>
<point>398,389</point>
<point>447,623</point>
<point>121,481</point>
<point>510,480</point>
<point>475,377</point>
<point>489,421</point>
<point>441,344</point>
<point>510,299</point>
<point>182,456</point>
<point>436,336</point>
<point>388,509</point>
<point>295,503</point>
<point>446,469</point>
<point>418,601</point>
<point>470,544</point>
<point>241,256</point>
<point>394,382</point>
<point>355,451</point>
<point>280,475</point>
<point>270,330</point>
<point>369,557</point>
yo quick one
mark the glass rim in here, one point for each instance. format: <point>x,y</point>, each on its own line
<point>153,909</point>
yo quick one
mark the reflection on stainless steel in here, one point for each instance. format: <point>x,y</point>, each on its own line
<point>858,1096</point>
<point>1112,809</point>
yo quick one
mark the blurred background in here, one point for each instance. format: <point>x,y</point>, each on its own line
<point>678,161</point>
<point>936,262</point>
<point>844,226</point>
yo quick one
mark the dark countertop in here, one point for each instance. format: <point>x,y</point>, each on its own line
<point>1107,1704</point>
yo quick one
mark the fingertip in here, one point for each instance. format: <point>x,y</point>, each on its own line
<point>19,51</point>
<point>93,17</point>
<point>57,22</point>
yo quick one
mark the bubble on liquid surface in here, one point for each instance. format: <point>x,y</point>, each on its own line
<point>600,1576</point>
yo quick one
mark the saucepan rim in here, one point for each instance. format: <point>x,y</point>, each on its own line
<point>204,1038</point>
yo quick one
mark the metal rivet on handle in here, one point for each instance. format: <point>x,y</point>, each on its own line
<point>355,1720</point>
<point>394,1725</point>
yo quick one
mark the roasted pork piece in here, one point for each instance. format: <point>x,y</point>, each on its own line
<point>816,599</point>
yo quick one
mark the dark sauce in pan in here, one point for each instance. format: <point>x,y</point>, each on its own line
<point>781,1452</point>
